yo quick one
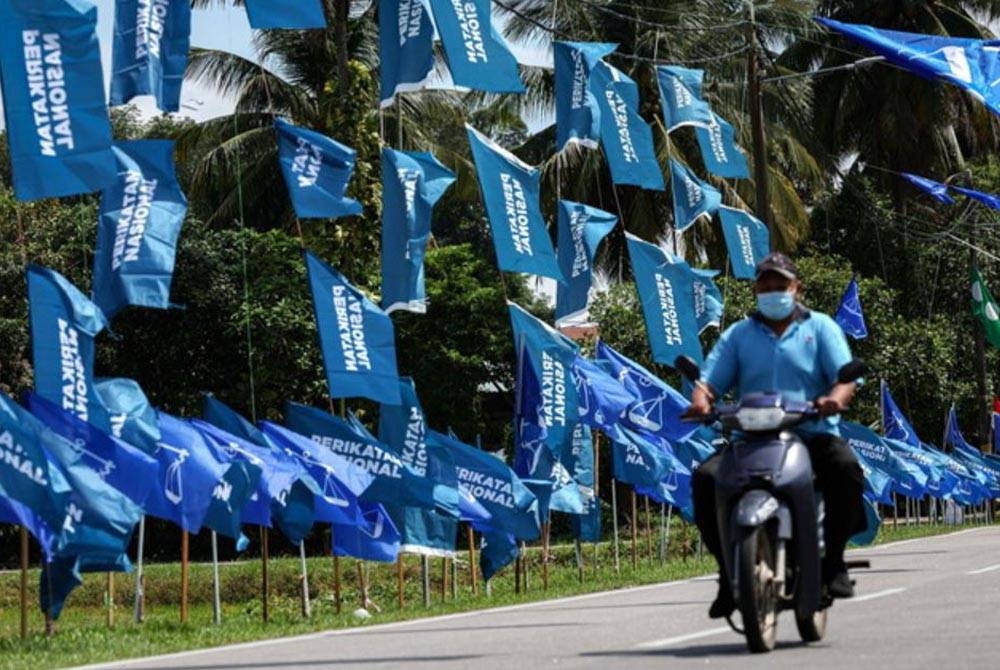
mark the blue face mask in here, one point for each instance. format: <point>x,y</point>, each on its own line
<point>776,305</point>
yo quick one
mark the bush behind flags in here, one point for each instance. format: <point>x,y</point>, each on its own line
<point>64,324</point>
<point>478,57</point>
<point>357,338</point>
<point>290,14</point>
<point>406,47</point>
<point>511,191</point>
<point>581,230</point>
<point>53,93</point>
<point>317,170</point>
<point>747,241</point>
<point>152,39</point>
<point>141,217</point>
<point>578,116</point>
<point>411,184</point>
<point>625,135</point>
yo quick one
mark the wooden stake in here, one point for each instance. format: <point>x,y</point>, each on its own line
<point>400,579</point>
<point>362,584</point>
<point>184,576</point>
<point>24,583</point>
<point>472,560</point>
<point>545,555</point>
<point>111,599</point>
<point>265,580</point>
<point>635,532</point>
<point>425,578</point>
<point>649,530</point>
<point>444,579</point>
<point>338,601</point>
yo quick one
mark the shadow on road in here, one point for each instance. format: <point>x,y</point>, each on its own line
<point>676,603</point>
<point>326,662</point>
<point>694,651</point>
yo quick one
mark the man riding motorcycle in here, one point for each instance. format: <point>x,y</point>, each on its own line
<point>785,347</point>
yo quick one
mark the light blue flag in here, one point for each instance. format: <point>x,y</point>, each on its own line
<point>747,241</point>
<point>849,316</point>
<point>602,401</point>
<point>317,170</point>
<point>940,482</point>
<point>970,64</point>
<point>675,487</point>
<point>640,461</point>
<point>356,337</point>
<point>581,230</point>
<point>152,39</point>
<point>874,454</point>
<point>707,297</point>
<point>478,57</point>
<point>894,423</point>
<point>722,157</point>
<point>497,550</point>
<point>625,135</point>
<point>872,523</point>
<point>586,526</point>
<point>578,116</point>
<point>26,475</point>
<point>64,323</point>
<point>510,503</point>
<point>125,412</point>
<point>552,355</point>
<point>291,14</point>
<point>936,190</point>
<point>666,291</point>
<point>425,532</point>
<point>53,93</point>
<point>658,408</point>
<point>680,97</point>
<point>692,197</point>
<point>987,199</point>
<point>141,218</point>
<point>511,191</point>
<point>987,472</point>
<point>406,47</point>
<point>411,184</point>
<point>123,466</point>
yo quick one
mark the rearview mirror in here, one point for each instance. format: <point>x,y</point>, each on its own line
<point>852,371</point>
<point>688,368</point>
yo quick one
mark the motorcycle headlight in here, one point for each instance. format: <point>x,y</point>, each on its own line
<point>760,418</point>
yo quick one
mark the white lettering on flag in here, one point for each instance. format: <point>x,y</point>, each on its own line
<point>553,391</point>
<point>415,443</point>
<point>47,90</point>
<point>716,142</point>
<point>150,19</point>
<point>516,209</point>
<point>74,379</point>
<point>370,457</point>
<point>485,487</point>
<point>410,14</point>
<point>13,455</point>
<point>619,112</point>
<point>351,327</point>
<point>137,204</point>
<point>472,31</point>
<point>577,223</point>
<point>307,163</point>
<point>668,310</point>
<point>746,245</point>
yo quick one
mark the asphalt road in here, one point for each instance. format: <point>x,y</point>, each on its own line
<point>925,603</point>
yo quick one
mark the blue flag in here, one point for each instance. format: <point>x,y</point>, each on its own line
<point>849,315</point>
<point>722,157</point>
<point>666,291</point>
<point>940,482</point>
<point>64,324</point>
<point>970,64</point>
<point>625,135</point>
<point>872,523</point>
<point>478,57</point>
<point>707,296</point>
<point>552,355</point>
<point>692,197</point>
<point>14,512</point>
<point>425,532</point>
<point>586,526</point>
<point>658,407</point>
<point>497,551</point>
<point>124,467</point>
<point>986,471</point>
<point>747,241</point>
<point>141,217</point>
<point>578,116</point>
<point>680,97</point>
<point>26,475</point>
<point>894,423</point>
<point>406,47</point>
<point>987,199</point>
<point>411,184</point>
<point>377,539</point>
<point>581,229</point>
<point>640,461</point>
<point>512,506</point>
<point>602,400</point>
<point>936,190</point>
<point>125,412</point>
<point>356,337</point>
<point>875,454</point>
<point>53,94</point>
<point>291,14</point>
<point>532,459</point>
<point>316,170</point>
<point>152,39</point>
<point>511,191</point>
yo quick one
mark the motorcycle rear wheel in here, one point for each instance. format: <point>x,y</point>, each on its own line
<point>757,590</point>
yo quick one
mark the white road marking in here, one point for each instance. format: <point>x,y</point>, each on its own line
<point>873,596</point>
<point>669,641</point>
<point>988,568</point>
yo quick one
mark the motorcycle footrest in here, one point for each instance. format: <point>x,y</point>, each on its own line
<point>851,565</point>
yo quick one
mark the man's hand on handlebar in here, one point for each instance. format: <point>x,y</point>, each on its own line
<point>828,406</point>
<point>701,403</point>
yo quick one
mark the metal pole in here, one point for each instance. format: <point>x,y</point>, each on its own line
<point>649,530</point>
<point>635,532</point>
<point>663,534</point>
<point>24,583</point>
<point>545,555</point>
<point>265,580</point>
<point>425,578</point>
<point>578,550</point>
<point>982,399</point>
<point>400,580</point>
<point>139,595</point>
<point>216,591</point>
<point>614,525</point>
<point>306,605</point>
<point>756,104</point>
<point>362,584</point>
<point>111,599</point>
<point>184,576</point>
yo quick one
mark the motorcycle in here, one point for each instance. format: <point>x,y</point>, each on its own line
<point>770,516</point>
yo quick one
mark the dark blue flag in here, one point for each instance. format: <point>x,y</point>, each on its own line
<point>511,190</point>
<point>152,38</point>
<point>498,550</point>
<point>64,324</point>
<point>693,198</point>
<point>747,241</point>
<point>581,229</point>
<point>640,461</point>
<point>987,199</point>
<point>872,523</point>
<point>894,423</point>
<point>406,47</point>
<point>532,459</point>
<point>940,482</point>
<point>936,190</point>
<point>141,218</point>
<point>666,292</point>
<point>376,539</point>
<point>291,14</point>
<point>411,184</point>
<point>722,157</point>
<point>316,170</point>
<point>680,97</point>
<point>707,296</point>
<point>602,400</point>
<point>625,135</point>
<point>905,476</point>
<point>478,57</point>
<point>425,532</point>
<point>53,94</point>
<point>578,116</point>
<point>356,337</point>
<point>849,315</point>
<point>14,512</point>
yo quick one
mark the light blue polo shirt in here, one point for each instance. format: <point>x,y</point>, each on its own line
<point>802,364</point>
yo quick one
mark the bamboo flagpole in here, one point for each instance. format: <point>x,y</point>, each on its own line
<point>546,529</point>
<point>24,582</point>
<point>139,595</point>
<point>649,530</point>
<point>425,578</point>
<point>184,576</point>
<point>472,559</point>
<point>216,590</point>
<point>110,597</point>
<point>635,531</point>
<point>614,524</point>
<point>338,601</point>
<point>265,579</point>
<point>400,579</point>
<point>444,579</point>
<point>306,605</point>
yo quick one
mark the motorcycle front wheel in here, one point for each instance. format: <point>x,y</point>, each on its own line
<point>812,628</point>
<point>757,590</point>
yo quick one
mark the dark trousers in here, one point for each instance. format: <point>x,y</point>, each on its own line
<point>838,476</point>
